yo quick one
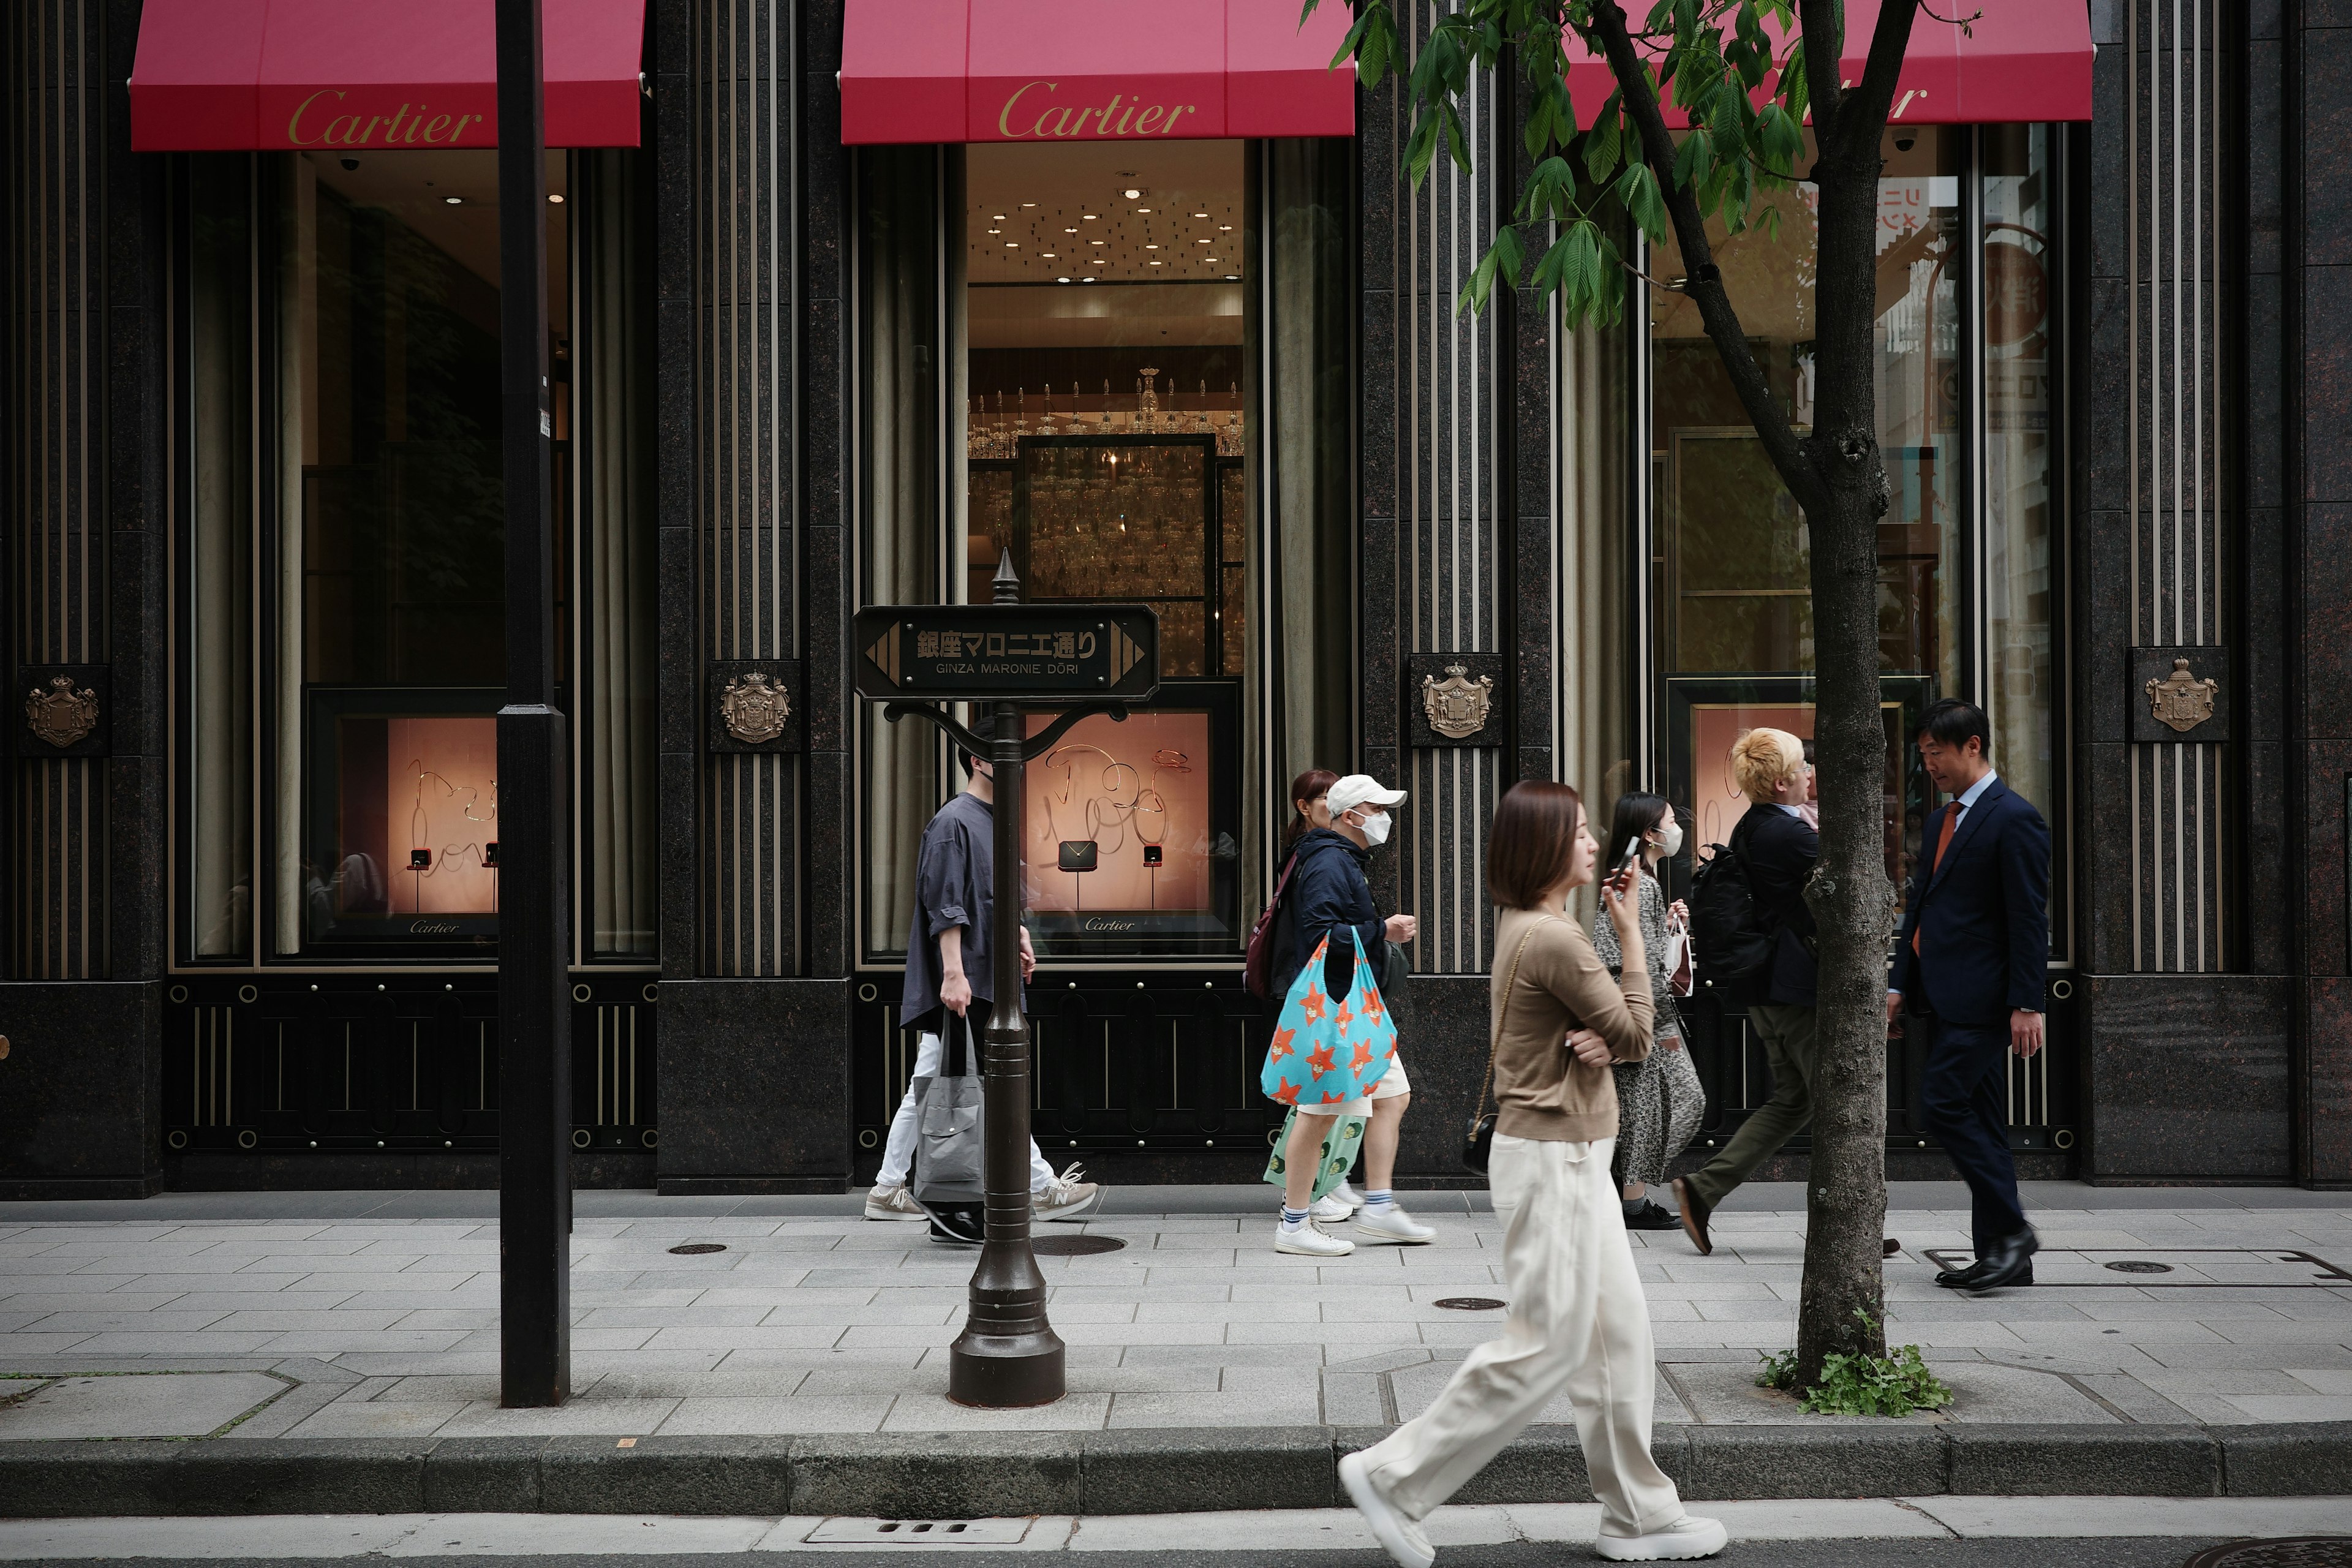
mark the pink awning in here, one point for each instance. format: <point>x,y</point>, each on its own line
<point>1091,70</point>
<point>230,75</point>
<point>2020,62</point>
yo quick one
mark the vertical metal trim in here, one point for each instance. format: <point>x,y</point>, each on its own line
<point>2132,514</point>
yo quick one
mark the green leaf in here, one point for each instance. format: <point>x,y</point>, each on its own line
<point>1796,94</point>
<point>1779,141</point>
<point>1693,161</point>
<point>1604,144</point>
<point>1638,191</point>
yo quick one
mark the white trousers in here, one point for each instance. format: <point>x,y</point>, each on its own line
<point>1577,1325</point>
<point>899,1153</point>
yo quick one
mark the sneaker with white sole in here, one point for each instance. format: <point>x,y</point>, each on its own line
<point>1394,1225</point>
<point>1400,1537</point>
<point>1309,1242</point>
<point>1330,1210</point>
<point>1344,1194</point>
<point>1067,1197</point>
<point>892,1202</point>
<point>1687,1538</point>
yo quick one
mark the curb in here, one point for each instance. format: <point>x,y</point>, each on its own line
<point>968,1476</point>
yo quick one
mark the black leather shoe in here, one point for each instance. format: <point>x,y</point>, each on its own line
<point>1889,1248</point>
<point>1962,1279</point>
<point>2008,1262</point>
<point>1695,1217</point>
<point>1650,1216</point>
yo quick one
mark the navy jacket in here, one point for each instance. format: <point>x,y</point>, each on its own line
<point>1982,916</point>
<point>1780,851</point>
<point>1327,888</point>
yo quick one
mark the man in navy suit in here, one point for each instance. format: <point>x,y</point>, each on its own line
<point>1972,956</point>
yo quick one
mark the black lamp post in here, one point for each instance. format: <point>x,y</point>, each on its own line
<point>534,1003</point>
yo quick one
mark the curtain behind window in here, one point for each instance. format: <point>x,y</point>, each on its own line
<point>617,659</point>
<point>898,482</point>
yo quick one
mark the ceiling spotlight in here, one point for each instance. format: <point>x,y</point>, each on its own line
<point>1048,256</point>
<point>1011,244</point>
<point>1061,280</point>
<point>1200,215</point>
<point>556,197</point>
<point>1085,280</point>
<point>1225,228</point>
<point>1089,216</point>
<point>1155,264</point>
<point>1201,242</point>
<point>1143,209</point>
<point>1131,193</point>
<point>1213,261</point>
<point>453,201</point>
<point>1028,203</point>
<point>1070,231</point>
<point>1150,247</point>
<point>996,218</point>
<point>1233,277</point>
<point>1098,242</point>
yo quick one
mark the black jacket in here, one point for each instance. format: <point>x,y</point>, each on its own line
<point>1327,888</point>
<point>1781,850</point>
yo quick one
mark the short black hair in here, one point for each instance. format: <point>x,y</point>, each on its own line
<point>983,729</point>
<point>1953,719</point>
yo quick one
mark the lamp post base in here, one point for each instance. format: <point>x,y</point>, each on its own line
<point>1005,1371</point>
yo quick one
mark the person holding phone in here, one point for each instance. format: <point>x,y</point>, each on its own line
<point>1659,1101</point>
<point>1579,1325</point>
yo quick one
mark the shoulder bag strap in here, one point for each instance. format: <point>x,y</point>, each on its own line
<point>1503,1017</point>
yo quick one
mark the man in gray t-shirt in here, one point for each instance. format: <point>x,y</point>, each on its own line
<point>951,983</point>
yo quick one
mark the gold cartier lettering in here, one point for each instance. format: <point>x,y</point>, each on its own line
<point>1117,118</point>
<point>294,126</point>
<point>433,130</point>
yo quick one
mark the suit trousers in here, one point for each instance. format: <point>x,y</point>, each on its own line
<point>1788,1035</point>
<point>1964,1100</point>
<point>1579,1325</point>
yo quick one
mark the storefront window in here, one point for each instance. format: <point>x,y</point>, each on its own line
<point>343,519</point>
<point>1733,635</point>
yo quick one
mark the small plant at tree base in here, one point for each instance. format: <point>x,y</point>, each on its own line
<point>1862,1385</point>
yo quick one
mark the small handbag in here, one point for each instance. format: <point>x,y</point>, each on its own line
<point>1478,1141</point>
<point>1682,975</point>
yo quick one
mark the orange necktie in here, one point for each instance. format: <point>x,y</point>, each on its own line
<point>1943,842</point>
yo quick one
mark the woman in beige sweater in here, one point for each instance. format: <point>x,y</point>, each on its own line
<point>1579,1324</point>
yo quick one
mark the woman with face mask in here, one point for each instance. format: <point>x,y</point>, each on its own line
<point>1659,1101</point>
<point>1329,896</point>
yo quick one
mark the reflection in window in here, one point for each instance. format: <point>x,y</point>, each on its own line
<point>391,536</point>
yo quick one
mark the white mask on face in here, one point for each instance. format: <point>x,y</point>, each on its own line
<point>1376,829</point>
<point>1670,840</point>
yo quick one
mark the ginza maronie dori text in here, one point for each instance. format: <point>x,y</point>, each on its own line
<point>1146,120</point>
<point>399,129</point>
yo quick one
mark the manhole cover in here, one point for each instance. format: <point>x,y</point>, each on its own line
<point>2139,1266</point>
<point>2302,1551</point>
<point>1075,1245</point>
<point>1470,1304</point>
<point>697,1248</point>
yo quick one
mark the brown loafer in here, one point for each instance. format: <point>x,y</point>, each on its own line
<point>1695,1215</point>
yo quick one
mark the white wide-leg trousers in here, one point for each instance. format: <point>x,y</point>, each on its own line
<point>899,1153</point>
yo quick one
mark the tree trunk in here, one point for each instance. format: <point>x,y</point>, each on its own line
<point>1843,1304</point>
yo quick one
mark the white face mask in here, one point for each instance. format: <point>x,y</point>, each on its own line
<point>1670,840</point>
<point>1376,828</point>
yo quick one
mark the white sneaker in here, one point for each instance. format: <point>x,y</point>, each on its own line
<point>1344,1194</point>
<point>1687,1537</point>
<point>1309,1242</point>
<point>1393,1225</point>
<point>1067,1197</point>
<point>1330,1210</point>
<point>892,1202</point>
<point>1401,1537</point>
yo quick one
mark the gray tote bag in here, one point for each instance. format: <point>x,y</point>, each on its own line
<point>951,1124</point>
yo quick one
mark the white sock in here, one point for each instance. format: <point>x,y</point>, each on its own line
<point>1378,1198</point>
<point>1293,1219</point>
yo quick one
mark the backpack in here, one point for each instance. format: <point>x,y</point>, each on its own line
<point>1728,933</point>
<point>1257,960</point>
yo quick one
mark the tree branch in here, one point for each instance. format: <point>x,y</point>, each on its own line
<point>1703,281</point>
<point>1865,109</point>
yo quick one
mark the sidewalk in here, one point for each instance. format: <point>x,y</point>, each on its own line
<point>813,1322</point>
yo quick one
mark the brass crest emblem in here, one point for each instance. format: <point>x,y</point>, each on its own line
<point>2182,702</point>
<point>1457,706</point>
<point>755,707</point>
<point>61,716</point>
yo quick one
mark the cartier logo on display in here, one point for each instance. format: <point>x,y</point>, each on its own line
<point>433,928</point>
<point>1039,116</point>
<point>315,123</point>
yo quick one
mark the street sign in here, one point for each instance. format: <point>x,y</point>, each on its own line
<point>1021,653</point>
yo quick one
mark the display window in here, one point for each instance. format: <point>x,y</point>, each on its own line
<point>340,522</point>
<point>1061,356</point>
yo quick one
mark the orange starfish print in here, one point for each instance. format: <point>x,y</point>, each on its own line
<point>1319,1061</point>
<point>1286,1093</point>
<point>1311,1004</point>
<point>1362,1058</point>
<point>1344,1018</point>
<point>1282,1039</point>
<point>1373,1008</point>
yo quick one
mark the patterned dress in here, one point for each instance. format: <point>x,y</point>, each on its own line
<point>1659,1102</point>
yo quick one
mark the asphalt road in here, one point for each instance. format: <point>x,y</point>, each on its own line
<point>2012,1553</point>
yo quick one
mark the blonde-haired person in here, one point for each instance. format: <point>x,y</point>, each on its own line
<point>1779,846</point>
<point>1579,1325</point>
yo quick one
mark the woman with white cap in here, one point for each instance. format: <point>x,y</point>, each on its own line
<point>1330,896</point>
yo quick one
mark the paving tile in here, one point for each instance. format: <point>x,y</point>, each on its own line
<point>936,1413</point>
<point>2294,1407</point>
<point>705,1416</point>
<point>789,1337</point>
<point>397,1418</point>
<point>165,1405</point>
<point>589,1418</point>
